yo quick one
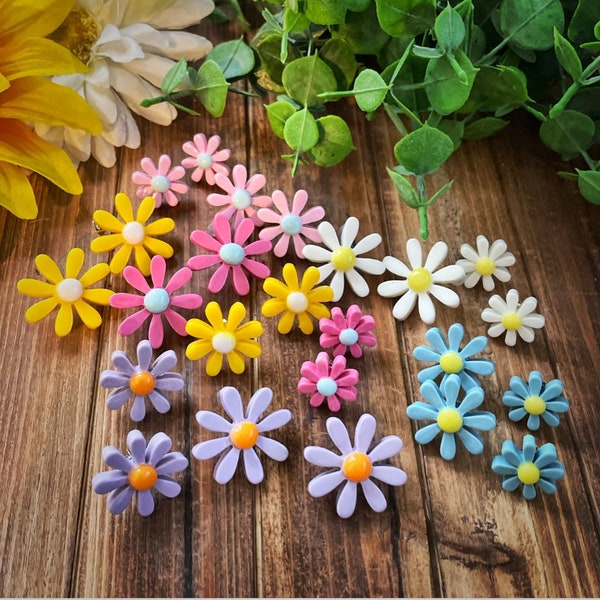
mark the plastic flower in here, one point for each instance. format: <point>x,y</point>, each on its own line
<point>513,317</point>
<point>355,465</point>
<point>240,199</point>
<point>486,262</point>
<point>68,292</point>
<point>538,399</point>
<point>147,468</point>
<point>128,49</point>
<point>160,183</point>
<point>244,434</point>
<point>132,234</point>
<point>528,467</point>
<point>290,224</point>
<point>344,258</point>
<point>451,419</point>
<point>450,358</point>
<point>205,159</point>
<point>155,301</point>
<point>141,381</point>
<point>421,280</point>
<point>333,382</point>
<point>296,300</point>
<point>343,333</point>
<point>230,254</point>
<point>224,337</point>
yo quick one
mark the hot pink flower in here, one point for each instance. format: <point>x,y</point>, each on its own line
<point>160,183</point>
<point>239,199</point>
<point>205,160</point>
<point>347,332</point>
<point>232,254</point>
<point>156,301</point>
<point>290,223</point>
<point>332,381</point>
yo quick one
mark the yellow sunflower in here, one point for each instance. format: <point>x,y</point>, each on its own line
<point>26,96</point>
<point>132,234</point>
<point>221,337</point>
<point>68,292</point>
<point>297,300</point>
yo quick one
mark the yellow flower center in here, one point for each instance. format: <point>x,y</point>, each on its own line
<point>297,302</point>
<point>343,259</point>
<point>451,362</point>
<point>244,435</point>
<point>419,280</point>
<point>69,290</point>
<point>449,420</point>
<point>78,32</point>
<point>528,473</point>
<point>224,342</point>
<point>133,233</point>
<point>485,266</point>
<point>357,466</point>
<point>534,405</point>
<point>511,321</point>
<point>142,477</point>
<point>142,383</point>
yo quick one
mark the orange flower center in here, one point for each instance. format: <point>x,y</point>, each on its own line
<point>142,477</point>
<point>142,383</point>
<point>244,435</point>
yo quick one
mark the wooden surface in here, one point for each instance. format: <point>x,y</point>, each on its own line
<point>450,531</point>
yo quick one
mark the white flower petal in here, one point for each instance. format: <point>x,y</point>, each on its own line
<point>533,320</point>
<point>414,253</point>
<point>316,253</point>
<point>370,265</point>
<point>210,448</point>
<point>374,496</point>
<point>469,253</point>
<point>337,285</point>
<point>496,330</point>
<point>339,435</point>
<point>436,255</point>
<point>498,304</point>
<point>226,465</point>
<point>491,316</point>
<point>180,13</point>
<point>186,45</point>
<point>328,235</point>
<point>483,246</point>
<point>349,231</point>
<point>213,422</point>
<point>502,274</point>
<point>426,308</point>
<point>368,243</point>
<point>528,306</point>
<point>364,432</point>
<point>497,249</point>
<point>322,457</point>
<point>346,502</point>
<point>488,283</point>
<point>324,483</point>
<point>404,306</point>
<point>396,266</point>
<point>357,282</point>
<point>103,152</point>
<point>450,274</point>
<point>445,296</point>
<point>272,448</point>
<point>252,466</point>
<point>526,333</point>
<point>389,474</point>
<point>510,338</point>
<point>392,288</point>
<point>512,300</point>
<point>387,447</point>
<point>151,68</point>
<point>471,279</point>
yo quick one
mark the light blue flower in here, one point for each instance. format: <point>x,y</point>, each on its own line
<point>538,399</point>
<point>450,418</point>
<point>529,467</point>
<point>451,359</point>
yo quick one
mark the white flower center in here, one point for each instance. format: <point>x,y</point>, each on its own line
<point>326,386</point>
<point>160,183</point>
<point>156,300</point>
<point>223,342</point>
<point>204,160</point>
<point>297,302</point>
<point>348,337</point>
<point>232,254</point>
<point>241,199</point>
<point>291,224</point>
<point>134,233</point>
<point>69,290</point>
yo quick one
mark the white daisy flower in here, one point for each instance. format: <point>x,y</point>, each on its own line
<point>420,281</point>
<point>344,258</point>
<point>355,465</point>
<point>513,317</point>
<point>486,262</point>
<point>243,434</point>
<point>128,54</point>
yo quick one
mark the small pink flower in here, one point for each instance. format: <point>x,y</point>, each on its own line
<point>156,301</point>
<point>239,199</point>
<point>160,183</point>
<point>205,160</point>
<point>290,223</point>
<point>231,254</point>
<point>347,332</point>
<point>333,382</point>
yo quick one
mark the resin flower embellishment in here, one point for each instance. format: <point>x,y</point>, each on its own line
<point>244,434</point>
<point>135,476</point>
<point>528,467</point>
<point>513,317</point>
<point>240,198</point>
<point>68,292</point>
<point>485,263</point>
<point>451,418</point>
<point>290,224</point>
<point>344,258</point>
<point>132,234</point>
<point>421,281</point>
<point>296,300</point>
<point>155,302</point>
<point>230,254</point>
<point>355,465</point>
<point>224,338</point>
<point>205,159</point>
<point>535,399</point>
<point>162,182</point>
<point>332,382</point>
<point>141,381</point>
<point>347,332</point>
<point>450,358</point>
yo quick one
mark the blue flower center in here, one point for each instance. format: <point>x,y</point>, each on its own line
<point>326,386</point>
<point>232,254</point>
<point>160,183</point>
<point>156,300</point>
<point>204,160</point>
<point>241,199</point>
<point>291,224</point>
<point>348,337</point>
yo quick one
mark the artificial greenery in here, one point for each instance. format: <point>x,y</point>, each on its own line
<point>442,72</point>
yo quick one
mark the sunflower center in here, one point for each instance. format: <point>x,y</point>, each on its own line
<point>156,300</point>
<point>511,321</point>
<point>142,383</point>
<point>133,233</point>
<point>160,183</point>
<point>449,420</point>
<point>232,254</point>
<point>485,266</point>
<point>534,405</point>
<point>291,224</point>
<point>244,435</point>
<point>528,473</point>
<point>69,290</point>
<point>78,32</point>
<point>357,466</point>
<point>297,302</point>
<point>224,342</point>
<point>348,336</point>
<point>419,280</point>
<point>142,477</point>
<point>327,386</point>
<point>241,199</point>
<point>451,362</point>
<point>343,259</point>
<point>204,160</point>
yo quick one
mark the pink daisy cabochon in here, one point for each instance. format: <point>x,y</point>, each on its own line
<point>162,182</point>
<point>205,158</point>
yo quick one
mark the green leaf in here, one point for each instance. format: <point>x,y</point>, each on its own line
<point>585,19</point>
<point>362,31</point>
<point>453,129</point>
<point>426,52</point>
<point>567,56</point>
<point>357,5</point>
<point>338,56</point>
<point>568,133</point>
<point>424,150</point>
<point>269,51</point>
<point>278,113</point>
<point>589,185</point>
<point>530,23</point>
<point>405,190</point>
<point>211,88</point>
<point>174,77</point>
<point>301,131</point>
<point>234,58</point>
<point>592,47</point>
<point>497,88</point>
<point>440,192</point>
<point>483,128</point>
<point>587,100</point>
<point>295,22</point>
<point>335,142</point>
<point>307,77</point>
<point>406,87</point>
<point>406,18</point>
<point>326,12</point>
<point>449,29</point>
<point>567,175</point>
<point>370,90</point>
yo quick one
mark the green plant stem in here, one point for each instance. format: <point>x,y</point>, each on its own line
<point>423,228</point>
<point>536,113</point>
<point>575,87</point>
<point>166,98</point>
<point>395,119</point>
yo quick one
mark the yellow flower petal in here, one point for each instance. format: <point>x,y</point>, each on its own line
<point>35,288</point>
<point>158,247</point>
<point>48,268</point>
<point>237,313</point>
<point>142,259</point>
<point>98,296</point>
<point>107,221</point>
<point>249,348</point>
<point>236,362</point>
<point>273,307</point>
<point>74,263</point>
<point>64,320</point>
<point>160,227</point>
<point>124,208</point>
<point>94,275</point>
<point>305,323</point>
<point>89,315</point>
<point>318,311</point>
<point>323,293</point>
<point>290,275</point>
<point>251,329</point>
<point>4,83</point>
<point>275,288</point>
<point>40,310</point>
<point>106,243</point>
<point>120,259</point>
<point>33,18</point>
<point>198,349</point>
<point>310,279</point>
<point>16,193</point>
<point>145,210</point>
<point>199,329</point>
<point>214,364</point>
<point>286,322</point>
<point>215,315</point>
